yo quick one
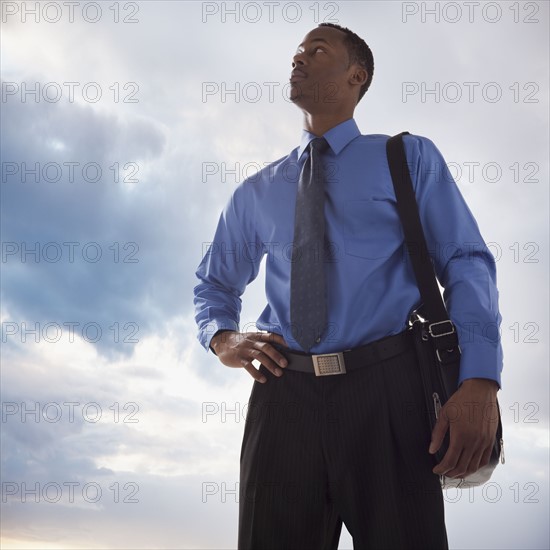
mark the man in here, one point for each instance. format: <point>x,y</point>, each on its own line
<point>319,450</point>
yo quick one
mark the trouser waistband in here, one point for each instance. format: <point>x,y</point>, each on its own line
<point>348,360</point>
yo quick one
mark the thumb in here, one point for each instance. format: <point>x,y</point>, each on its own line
<point>438,433</point>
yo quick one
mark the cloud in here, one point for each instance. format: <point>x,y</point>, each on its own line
<point>183,453</point>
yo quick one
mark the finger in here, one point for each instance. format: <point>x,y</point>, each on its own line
<point>275,356</point>
<point>266,361</point>
<point>254,372</point>
<point>481,455</point>
<point>270,337</point>
<point>475,463</point>
<point>438,433</point>
<point>449,461</point>
<point>463,467</point>
<point>485,457</point>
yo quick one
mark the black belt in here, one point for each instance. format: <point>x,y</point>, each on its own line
<point>345,361</point>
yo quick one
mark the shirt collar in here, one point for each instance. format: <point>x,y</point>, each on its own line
<point>337,137</point>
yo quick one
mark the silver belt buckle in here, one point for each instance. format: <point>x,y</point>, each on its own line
<point>329,363</point>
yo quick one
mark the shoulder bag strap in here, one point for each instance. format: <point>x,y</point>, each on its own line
<point>440,327</point>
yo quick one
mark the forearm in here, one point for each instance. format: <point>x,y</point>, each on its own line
<point>215,310</point>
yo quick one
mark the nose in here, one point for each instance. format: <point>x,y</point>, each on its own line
<point>297,60</point>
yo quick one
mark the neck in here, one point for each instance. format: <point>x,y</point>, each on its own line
<point>320,123</point>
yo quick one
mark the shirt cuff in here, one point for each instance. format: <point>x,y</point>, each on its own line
<point>209,330</point>
<point>481,361</point>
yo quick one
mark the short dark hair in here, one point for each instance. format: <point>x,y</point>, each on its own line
<point>358,52</point>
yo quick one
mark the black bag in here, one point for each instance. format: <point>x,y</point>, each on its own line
<point>435,336</point>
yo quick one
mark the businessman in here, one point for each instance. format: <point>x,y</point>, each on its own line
<point>335,430</point>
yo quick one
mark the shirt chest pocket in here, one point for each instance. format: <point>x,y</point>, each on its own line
<point>372,228</point>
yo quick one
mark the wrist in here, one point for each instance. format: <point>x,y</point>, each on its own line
<point>486,384</point>
<point>218,339</point>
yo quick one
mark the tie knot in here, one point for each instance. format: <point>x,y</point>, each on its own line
<point>320,144</point>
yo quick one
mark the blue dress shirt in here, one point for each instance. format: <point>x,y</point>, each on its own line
<point>371,288</point>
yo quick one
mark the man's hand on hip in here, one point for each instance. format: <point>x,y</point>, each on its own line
<point>471,415</point>
<point>238,350</point>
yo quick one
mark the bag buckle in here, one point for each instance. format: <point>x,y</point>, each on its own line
<point>329,363</point>
<point>449,356</point>
<point>434,335</point>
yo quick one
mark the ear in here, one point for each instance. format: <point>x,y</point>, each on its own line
<point>358,76</point>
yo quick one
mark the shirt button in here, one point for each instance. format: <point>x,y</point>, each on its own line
<point>318,339</point>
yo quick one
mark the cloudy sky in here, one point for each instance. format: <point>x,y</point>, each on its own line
<point>125,127</point>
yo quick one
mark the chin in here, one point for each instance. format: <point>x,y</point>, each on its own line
<point>296,93</point>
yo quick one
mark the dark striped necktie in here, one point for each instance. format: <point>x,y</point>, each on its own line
<point>308,310</point>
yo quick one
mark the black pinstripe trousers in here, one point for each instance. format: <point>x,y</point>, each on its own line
<point>317,451</point>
